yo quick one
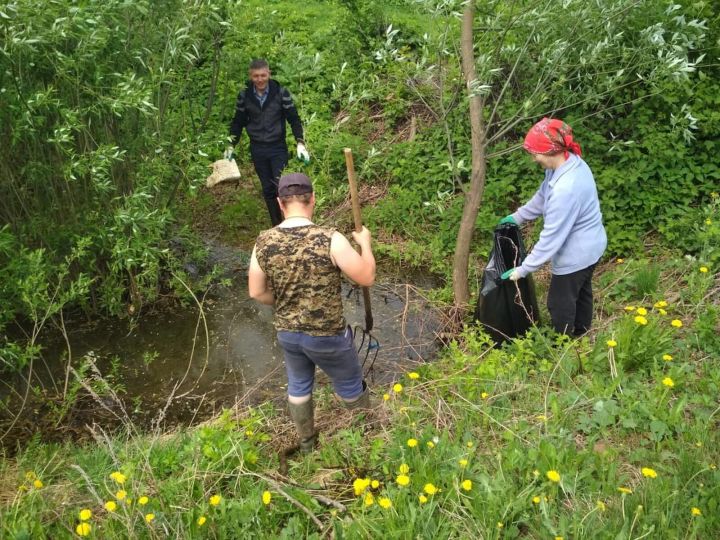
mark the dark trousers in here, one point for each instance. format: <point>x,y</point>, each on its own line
<point>570,302</point>
<point>269,163</point>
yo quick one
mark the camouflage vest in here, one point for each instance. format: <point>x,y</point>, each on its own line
<point>304,280</point>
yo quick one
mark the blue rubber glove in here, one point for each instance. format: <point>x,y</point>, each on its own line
<point>513,274</point>
<point>508,219</point>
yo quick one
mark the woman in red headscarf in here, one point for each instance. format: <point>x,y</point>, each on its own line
<point>573,237</point>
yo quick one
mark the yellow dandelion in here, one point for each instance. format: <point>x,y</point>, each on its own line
<point>83,529</point>
<point>385,502</point>
<point>85,514</point>
<point>624,490</point>
<point>695,511</point>
<point>121,494</point>
<point>660,304</point>
<point>422,498</point>
<point>601,506</point>
<point>30,475</point>
<point>215,500</point>
<point>149,517</point>
<point>118,477</point>
<point>611,343</point>
<point>430,489</point>
<point>536,499</point>
<point>37,483</point>
<point>404,468</point>
<point>667,381</point>
<point>201,521</point>
<point>541,417</point>
<point>677,323</point>
<point>142,501</point>
<point>662,312</point>
<point>397,388</point>
<point>619,261</point>
<point>708,221</point>
<point>704,269</point>
<point>500,524</point>
<point>360,485</point>
<point>469,444</point>
<point>558,538</point>
<point>667,357</point>
<point>413,375</point>
<point>484,395</point>
<point>386,397</point>
<point>641,311</point>
<point>629,308</point>
<point>430,444</point>
<point>266,497</point>
<point>463,462</point>
<point>412,443</point>
<point>647,472</point>
<point>249,433</point>
<point>553,476</point>
<point>375,484</point>
<point>110,506</point>
<point>642,321</point>
<point>466,485</point>
<point>403,480</point>
<point>369,499</point>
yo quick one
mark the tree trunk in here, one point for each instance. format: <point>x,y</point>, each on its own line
<point>473,196</point>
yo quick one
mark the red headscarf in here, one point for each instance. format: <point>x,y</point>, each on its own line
<point>550,136</point>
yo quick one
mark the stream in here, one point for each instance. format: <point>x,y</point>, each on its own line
<point>164,372</point>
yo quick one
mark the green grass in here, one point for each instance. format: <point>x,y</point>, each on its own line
<point>490,424</point>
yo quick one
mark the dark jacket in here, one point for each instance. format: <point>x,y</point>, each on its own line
<point>265,125</point>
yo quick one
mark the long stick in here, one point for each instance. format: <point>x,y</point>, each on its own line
<point>358,227</point>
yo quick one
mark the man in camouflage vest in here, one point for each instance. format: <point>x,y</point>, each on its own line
<point>296,266</point>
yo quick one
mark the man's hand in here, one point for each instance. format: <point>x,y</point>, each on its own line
<point>362,238</point>
<point>302,153</point>
<point>513,274</point>
<point>508,219</point>
<point>229,153</point>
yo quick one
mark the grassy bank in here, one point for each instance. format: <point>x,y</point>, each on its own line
<point>611,436</point>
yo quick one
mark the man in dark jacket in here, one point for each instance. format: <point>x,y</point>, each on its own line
<point>262,108</point>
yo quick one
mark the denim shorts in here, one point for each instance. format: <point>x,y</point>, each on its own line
<point>335,355</point>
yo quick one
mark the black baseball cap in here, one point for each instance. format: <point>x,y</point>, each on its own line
<point>294,184</point>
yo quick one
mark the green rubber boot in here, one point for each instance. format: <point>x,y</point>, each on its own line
<point>304,417</point>
<point>363,402</point>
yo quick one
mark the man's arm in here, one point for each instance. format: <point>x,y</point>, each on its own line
<point>292,116</point>
<point>257,283</point>
<point>360,267</point>
<point>240,119</point>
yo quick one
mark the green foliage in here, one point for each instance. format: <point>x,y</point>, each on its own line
<point>537,438</point>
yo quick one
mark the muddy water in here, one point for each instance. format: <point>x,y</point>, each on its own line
<point>163,354</point>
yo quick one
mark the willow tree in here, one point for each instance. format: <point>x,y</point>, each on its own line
<point>525,59</point>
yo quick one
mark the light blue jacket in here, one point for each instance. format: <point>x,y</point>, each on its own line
<point>573,235</point>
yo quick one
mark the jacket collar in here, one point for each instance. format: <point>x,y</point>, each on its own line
<point>273,88</point>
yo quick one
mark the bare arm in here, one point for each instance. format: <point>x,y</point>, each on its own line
<point>257,283</point>
<point>359,267</point>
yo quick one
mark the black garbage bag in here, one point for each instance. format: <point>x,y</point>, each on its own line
<point>500,309</point>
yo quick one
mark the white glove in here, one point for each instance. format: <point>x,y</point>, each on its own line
<point>229,153</point>
<point>302,153</point>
